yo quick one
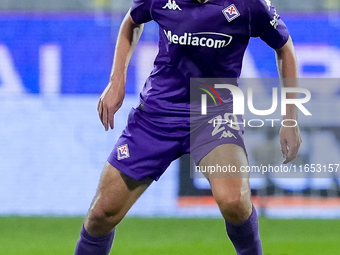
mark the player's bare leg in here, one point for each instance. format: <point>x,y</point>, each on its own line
<point>115,195</point>
<point>232,194</point>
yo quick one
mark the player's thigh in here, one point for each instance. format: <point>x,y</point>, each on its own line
<point>227,160</point>
<point>115,195</point>
<point>230,186</point>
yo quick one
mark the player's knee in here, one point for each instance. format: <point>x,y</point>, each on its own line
<point>230,204</point>
<point>100,221</point>
<point>234,207</point>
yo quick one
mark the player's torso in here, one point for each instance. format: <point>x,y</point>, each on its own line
<point>196,40</point>
<point>217,30</point>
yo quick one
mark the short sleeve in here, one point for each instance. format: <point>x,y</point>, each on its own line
<point>140,11</point>
<point>267,24</point>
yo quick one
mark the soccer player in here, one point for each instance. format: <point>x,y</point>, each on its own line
<point>198,38</point>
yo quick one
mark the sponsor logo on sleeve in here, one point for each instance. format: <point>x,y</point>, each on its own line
<point>269,4</point>
<point>275,21</point>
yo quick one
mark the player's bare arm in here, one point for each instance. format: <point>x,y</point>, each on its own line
<point>112,97</point>
<point>290,138</point>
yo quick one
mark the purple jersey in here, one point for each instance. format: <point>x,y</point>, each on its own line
<point>201,40</point>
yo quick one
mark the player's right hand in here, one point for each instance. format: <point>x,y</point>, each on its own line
<point>290,140</point>
<point>110,101</point>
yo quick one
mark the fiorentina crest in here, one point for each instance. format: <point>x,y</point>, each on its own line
<point>123,152</point>
<point>231,12</point>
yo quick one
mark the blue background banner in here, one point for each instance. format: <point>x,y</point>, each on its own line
<point>53,146</point>
<point>86,44</point>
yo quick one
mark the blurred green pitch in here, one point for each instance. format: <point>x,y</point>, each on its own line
<point>151,236</point>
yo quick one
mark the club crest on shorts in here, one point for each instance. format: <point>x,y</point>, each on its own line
<point>231,12</point>
<point>123,152</point>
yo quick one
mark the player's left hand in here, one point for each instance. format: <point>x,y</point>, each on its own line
<point>290,140</point>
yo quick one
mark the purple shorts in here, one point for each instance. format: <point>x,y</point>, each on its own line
<point>148,145</point>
